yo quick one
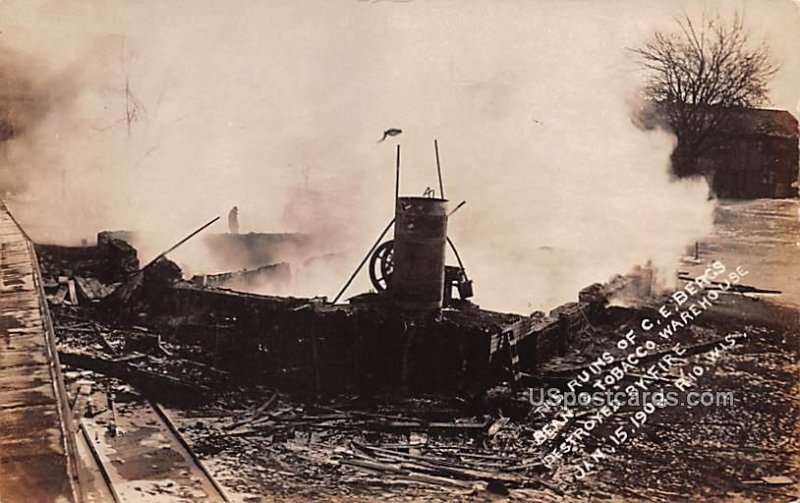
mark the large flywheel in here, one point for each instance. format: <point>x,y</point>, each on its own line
<point>381,266</point>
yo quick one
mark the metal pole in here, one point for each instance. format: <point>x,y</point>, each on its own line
<point>176,245</point>
<point>462,203</point>
<point>397,179</point>
<point>439,169</point>
<point>377,242</point>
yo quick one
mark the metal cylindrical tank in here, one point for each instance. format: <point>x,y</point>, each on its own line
<point>420,239</point>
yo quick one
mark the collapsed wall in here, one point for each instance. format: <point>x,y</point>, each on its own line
<point>318,348</point>
<point>326,348</point>
<point>111,260</point>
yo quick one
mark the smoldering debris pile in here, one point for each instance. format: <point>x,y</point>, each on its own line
<point>136,356</point>
<point>248,280</point>
<point>255,262</point>
<point>111,260</point>
<point>295,397</point>
<point>317,349</point>
<point>85,274</point>
<point>461,447</point>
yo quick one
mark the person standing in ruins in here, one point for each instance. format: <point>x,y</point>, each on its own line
<point>233,220</point>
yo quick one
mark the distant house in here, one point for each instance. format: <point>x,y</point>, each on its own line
<point>755,156</point>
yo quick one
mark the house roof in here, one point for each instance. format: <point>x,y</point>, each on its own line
<point>762,121</point>
<point>741,122</point>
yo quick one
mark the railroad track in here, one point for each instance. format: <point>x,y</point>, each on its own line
<point>142,456</point>
<point>51,452</point>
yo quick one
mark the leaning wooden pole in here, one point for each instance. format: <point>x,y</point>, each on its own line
<point>366,257</point>
<point>439,168</point>
<point>179,243</point>
<point>397,178</point>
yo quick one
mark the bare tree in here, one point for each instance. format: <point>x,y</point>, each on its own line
<point>698,76</point>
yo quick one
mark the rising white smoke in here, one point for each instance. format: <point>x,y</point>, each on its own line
<point>170,113</point>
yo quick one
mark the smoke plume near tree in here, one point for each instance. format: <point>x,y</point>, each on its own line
<point>699,74</point>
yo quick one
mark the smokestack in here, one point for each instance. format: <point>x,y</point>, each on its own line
<point>420,237</point>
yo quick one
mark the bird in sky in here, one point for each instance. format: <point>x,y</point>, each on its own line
<point>390,132</point>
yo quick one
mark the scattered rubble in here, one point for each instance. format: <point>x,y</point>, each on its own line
<point>293,398</point>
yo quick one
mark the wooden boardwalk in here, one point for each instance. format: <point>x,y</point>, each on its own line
<point>37,454</point>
